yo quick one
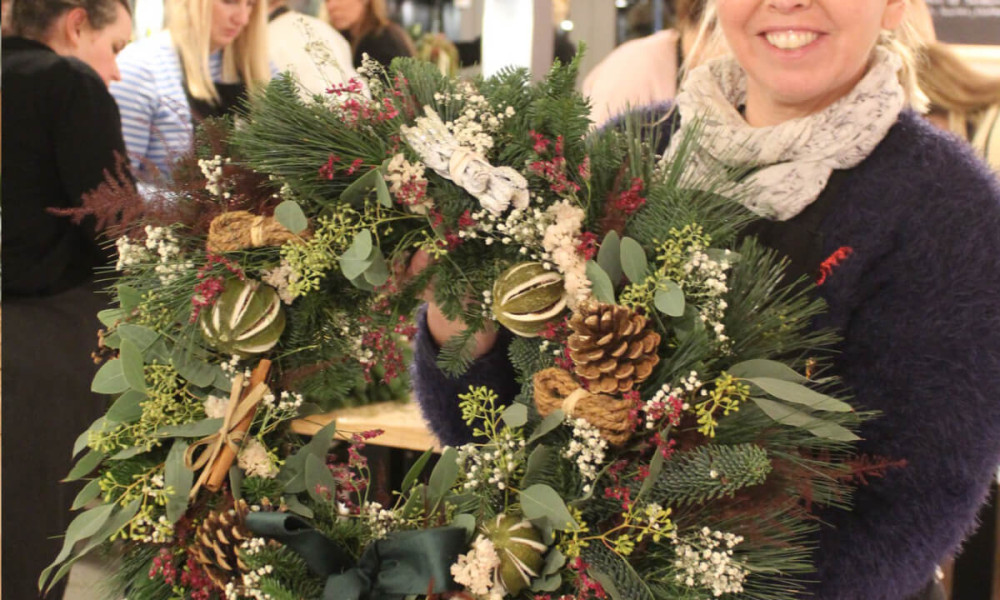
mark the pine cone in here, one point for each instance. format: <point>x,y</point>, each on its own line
<point>216,545</point>
<point>612,347</point>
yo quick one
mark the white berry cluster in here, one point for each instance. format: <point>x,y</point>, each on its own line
<point>130,253</point>
<point>707,280</point>
<point>380,520</point>
<point>249,587</point>
<point>560,241</point>
<point>211,168</point>
<point>288,402</point>
<point>492,466</point>
<point>655,407</point>
<point>588,449</point>
<point>475,127</point>
<point>705,560</point>
<point>163,245</point>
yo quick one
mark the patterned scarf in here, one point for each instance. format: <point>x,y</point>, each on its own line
<point>789,163</point>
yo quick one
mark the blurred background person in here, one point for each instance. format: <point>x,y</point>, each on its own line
<point>62,133</point>
<point>366,25</point>
<point>202,66</point>
<point>5,20</point>
<point>312,50</point>
<point>964,100</point>
<point>646,70</point>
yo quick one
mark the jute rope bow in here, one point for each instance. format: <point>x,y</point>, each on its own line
<point>240,229</point>
<point>214,454</point>
<point>557,389</point>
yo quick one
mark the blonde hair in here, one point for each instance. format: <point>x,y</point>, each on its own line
<point>905,41</point>
<point>245,59</point>
<point>954,87</point>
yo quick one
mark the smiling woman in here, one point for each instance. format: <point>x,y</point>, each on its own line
<point>897,224</point>
<point>201,67</point>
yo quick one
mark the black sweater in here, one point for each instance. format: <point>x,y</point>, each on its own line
<point>61,131</point>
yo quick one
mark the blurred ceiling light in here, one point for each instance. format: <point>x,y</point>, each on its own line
<point>566,25</point>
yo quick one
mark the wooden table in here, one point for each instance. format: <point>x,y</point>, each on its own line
<point>402,423</point>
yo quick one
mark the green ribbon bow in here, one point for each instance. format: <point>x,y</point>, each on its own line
<point>403,564</point>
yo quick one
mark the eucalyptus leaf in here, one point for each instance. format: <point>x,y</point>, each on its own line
<point>609,256</point>
<point>291,217</point>
<point>109,316</point>
<point>549,423</point>
<point>236,481</point>
<point>669,298</point>
<point>85,465</point>
<point>786,415</point>
<point>82,527</point>
<point>110,378</point>
<point>143,337</point>
<point>362,284</point>
<point>377,272</point>
<point>760,367</point>
<point>190,430</point>
<point>195,370</point>
<point>689,324</point>
<point>128,453</point>
<point>89,492</point>
<point>655,468</point>
<point>546,583</point>
<point>466,522</point>
<point>111,526</point>
<point>600,283</point>
<point>444,475</point>
<point>355,193</point>
<point>97,426</point>
<point>633,259</point>
<point>515,415</point>
<point>293,504</point>
<point>112,340</point>
<point>132,363</point>
<point>541,501</point>
<point>129,298</point>
<point>292,473</point>
<point>554,561</point>
<point>799,394</point>
<point>383,192</point>
<point>178,479</point>
<point>607,582</point>
<point>318,476</point>
<point>415,471</point>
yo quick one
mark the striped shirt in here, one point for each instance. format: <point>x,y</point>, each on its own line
<point>156,116</point>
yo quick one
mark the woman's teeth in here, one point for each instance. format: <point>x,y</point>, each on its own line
<point>790,40</point>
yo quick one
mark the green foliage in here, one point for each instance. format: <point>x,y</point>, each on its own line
<point>608,567</point>
<point>710,472</point>
<point>528,358</point>
<point>290,574</point>
<point>255,489</point>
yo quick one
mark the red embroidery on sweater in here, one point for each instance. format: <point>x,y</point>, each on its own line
<point>828,265</point>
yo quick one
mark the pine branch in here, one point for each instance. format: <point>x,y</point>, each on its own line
<point>627,582</point>
<point>710,472</point>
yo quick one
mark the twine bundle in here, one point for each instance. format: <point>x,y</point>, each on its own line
<point>240,229</point>
<point>557,389</point>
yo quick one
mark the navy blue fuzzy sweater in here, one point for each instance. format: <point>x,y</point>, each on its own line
<point>918,306</point>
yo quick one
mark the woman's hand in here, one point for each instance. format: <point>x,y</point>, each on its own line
<point>442,329</point>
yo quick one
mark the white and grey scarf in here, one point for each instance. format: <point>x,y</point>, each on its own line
<point>793,160</point>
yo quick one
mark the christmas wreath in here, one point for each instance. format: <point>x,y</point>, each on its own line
<point>673,432</point>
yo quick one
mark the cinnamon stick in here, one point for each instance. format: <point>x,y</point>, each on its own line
<point>226,457</point>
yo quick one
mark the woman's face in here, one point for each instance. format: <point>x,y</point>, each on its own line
<point>802,55</point>
<point>99,47</point>
<point>229,19</point>
<point>345,14</point>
